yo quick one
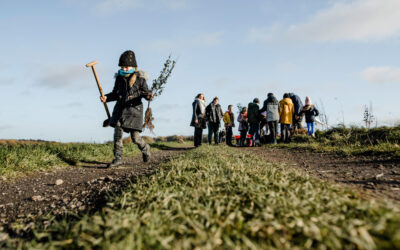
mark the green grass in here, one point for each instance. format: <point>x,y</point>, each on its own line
<point>220,197</point>
<point>20,159</point>
<point>383,141</point>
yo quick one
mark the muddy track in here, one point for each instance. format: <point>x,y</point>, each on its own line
<point>375,176</point>
<point>70,189</point>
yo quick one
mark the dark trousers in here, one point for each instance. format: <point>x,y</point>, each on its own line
<point>229,136</point>
<point>198,136</point>
<point>297,123</point>
<point>136,138</point>
<point>213,128</point>
<point>254,131</point>
<point>243,134</point>
<point>285,132</point>
<point>273,130</point>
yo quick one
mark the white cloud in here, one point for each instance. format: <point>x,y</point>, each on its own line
<point>64,76</point>
<point>358,20</point>
<point>381,75</point>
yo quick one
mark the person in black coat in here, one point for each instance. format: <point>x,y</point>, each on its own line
<point>198,119</point>
<point>129,89</point>
<point>214,115</point>
<point>298,105</point>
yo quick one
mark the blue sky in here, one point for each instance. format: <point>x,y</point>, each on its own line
<point>343,53</point>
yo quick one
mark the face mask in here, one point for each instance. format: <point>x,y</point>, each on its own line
<point>125,73</point>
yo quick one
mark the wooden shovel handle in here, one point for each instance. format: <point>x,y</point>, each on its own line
<point>91,64</point>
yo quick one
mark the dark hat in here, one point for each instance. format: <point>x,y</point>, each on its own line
<point>127,59</point>
<point>256,100</point>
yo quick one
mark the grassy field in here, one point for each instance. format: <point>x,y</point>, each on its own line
<point>383,141</point>
<point>220,197</point>
<point>24,158</point>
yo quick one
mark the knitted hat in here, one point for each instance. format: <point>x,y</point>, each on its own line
<point>127,59</point>
<point>308,100</point>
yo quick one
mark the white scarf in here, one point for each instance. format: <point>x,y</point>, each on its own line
<point>202,105</point>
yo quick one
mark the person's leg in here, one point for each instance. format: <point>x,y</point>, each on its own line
<point>242,137</point>
<point>282,134</point>
<point>215,130</point>
<point>200,136</point>
<point>285,132</point>
<point>229,136</point>
<point>309,128</point>
<point>312,129</point>
<point>257,133</point>
<point>272,134</point>
<point>251,131</point>
<point>197,136</point>
<point>210,132</point>
<point>288,134</point>
<point>142,145</point>
<point>118,147</point>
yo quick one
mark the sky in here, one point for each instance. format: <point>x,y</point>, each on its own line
<point>343,54</point>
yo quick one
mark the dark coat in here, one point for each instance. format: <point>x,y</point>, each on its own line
<point>218,113</point>
<point>298,104</point>
<point>197,115</point>
<point>253,114</point>
<point>128,111</point>
<point>310,112</point>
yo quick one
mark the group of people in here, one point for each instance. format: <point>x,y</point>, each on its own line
<point>253,120</point>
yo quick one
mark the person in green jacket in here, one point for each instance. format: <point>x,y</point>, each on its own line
<point>253,116</point>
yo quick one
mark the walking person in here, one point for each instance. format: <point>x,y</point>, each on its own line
<point>271,106</point>
<point>286,111</point>
<point>253,115</point>
<point>243,126</point>
<point>298,105</point>
<point>198,118</point>
<point>129,89</point>
<point>214,115</point>
<point>310,112</point>
<point>229,121</point>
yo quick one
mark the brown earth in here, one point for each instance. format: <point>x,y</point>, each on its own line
<point>372,175</point>
<point>83,189</point>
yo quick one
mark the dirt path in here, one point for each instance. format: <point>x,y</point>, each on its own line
<point>377,176</point>
<point>82,189</point>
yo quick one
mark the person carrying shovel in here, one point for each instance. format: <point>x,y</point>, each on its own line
<point>129,89</point>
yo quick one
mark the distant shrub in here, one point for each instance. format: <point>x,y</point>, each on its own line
<point>148,139</point>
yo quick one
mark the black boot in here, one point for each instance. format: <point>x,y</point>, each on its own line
<point>146,153</point>
<point>115,163</point>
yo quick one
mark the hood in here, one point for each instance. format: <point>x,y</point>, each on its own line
<point>308,107</point>
<point>287,101</point>
<point>272,99</point>
<point>253,104</point>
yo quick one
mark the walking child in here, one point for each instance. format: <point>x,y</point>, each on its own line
<point>129,89</point>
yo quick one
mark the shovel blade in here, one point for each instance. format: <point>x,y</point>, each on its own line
<point>106,123</point>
